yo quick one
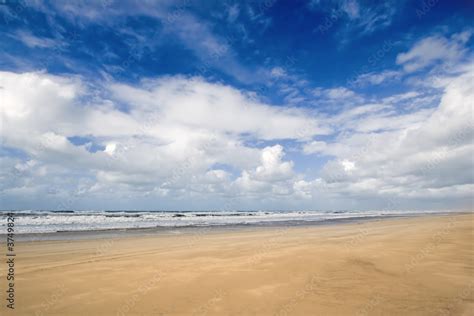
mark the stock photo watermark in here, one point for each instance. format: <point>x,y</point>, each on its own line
<point>10,260</point>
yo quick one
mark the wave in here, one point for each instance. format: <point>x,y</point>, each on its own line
<point>49,221</point>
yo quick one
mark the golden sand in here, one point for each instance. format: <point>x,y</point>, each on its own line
<point>417,266</point>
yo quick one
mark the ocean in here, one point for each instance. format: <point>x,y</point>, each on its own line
<point>52,221</point>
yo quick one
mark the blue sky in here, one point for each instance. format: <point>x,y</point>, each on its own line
<point>236,104</point>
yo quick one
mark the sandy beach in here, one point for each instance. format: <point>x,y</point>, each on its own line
<point>407,266</point>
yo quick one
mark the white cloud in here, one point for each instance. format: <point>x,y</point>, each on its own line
<point>278,72</point>
<point>336,94</point>
<point>314,147</point>
<point>184,138</point>
<point>272,176</point>
<point>359,18</point>
<point>33,41</point>
<point>374,78</point>
<point>215,52</point>
<point>433,49</point>
<point>233,13</point>
<point>174,131</point>
<point>197,104</point>
<point>352,9</point>
<point>444,54</point>
<point>348,165</point>
<point>401,97</point>
<point>272,167</point>
<point>424,154</point>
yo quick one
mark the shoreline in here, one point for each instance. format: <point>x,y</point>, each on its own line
<point>170,230</point>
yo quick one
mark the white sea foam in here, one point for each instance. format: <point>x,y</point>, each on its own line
<point>55,221</point>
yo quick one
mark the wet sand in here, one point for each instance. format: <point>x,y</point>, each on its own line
<point>411,266</point>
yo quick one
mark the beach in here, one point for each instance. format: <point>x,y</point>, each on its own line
<point>402,266</point>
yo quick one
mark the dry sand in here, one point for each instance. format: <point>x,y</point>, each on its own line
<point>417,266</point>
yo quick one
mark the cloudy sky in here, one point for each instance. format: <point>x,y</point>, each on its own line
<point>271,104</point>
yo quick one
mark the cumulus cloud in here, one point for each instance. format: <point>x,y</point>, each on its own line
<point>168,137</point>
<point>426,153</point>
<point>198,104</point>
<point>163,136</point>
<point>185,138</point>
<point>272,167</point>
<point>273,177</point>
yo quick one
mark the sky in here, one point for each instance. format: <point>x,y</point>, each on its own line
<point>237,105</point>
